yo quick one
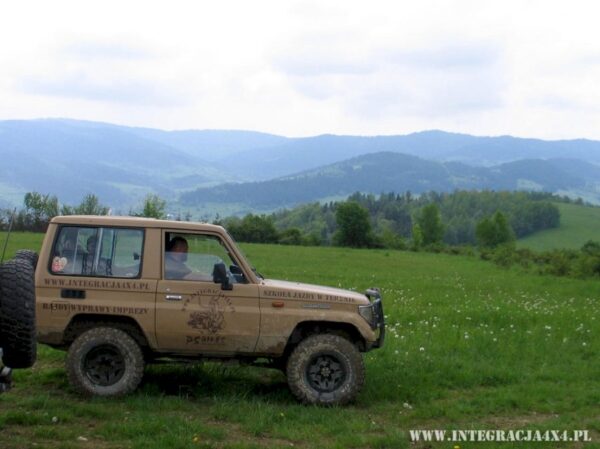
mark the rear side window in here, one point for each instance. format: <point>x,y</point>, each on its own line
<point>98,252</point>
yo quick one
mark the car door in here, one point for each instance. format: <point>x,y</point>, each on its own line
<point>194,315</point>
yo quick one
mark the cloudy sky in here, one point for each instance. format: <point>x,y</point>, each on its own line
<point>298,68</point>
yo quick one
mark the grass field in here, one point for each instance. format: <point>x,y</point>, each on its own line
<point>578,224</point>
<point>469,346</point>
<point>20,240</point>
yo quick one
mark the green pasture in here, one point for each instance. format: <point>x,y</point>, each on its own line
<point>578,224</point>
<point>469,346</point>
<point>19,240</point>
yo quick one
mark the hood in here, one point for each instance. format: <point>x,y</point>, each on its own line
<point>309,292</point>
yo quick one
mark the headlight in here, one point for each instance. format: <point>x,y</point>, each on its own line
<point>367,313</point>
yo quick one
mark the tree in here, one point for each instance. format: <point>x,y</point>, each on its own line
<point>494,231</point>
<point>417,237</point>
<point>253,229</point>
<point>91,206</point>
<point>431,224</point>
<point>39,210</point>
<point>354,227</point>
<point>153,207</point>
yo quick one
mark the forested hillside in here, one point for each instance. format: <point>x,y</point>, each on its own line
<point>393,216</point>
<point>393,172</point>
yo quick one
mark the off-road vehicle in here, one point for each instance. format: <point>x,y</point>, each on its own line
<point>17,315</point>
<point>120,292</point>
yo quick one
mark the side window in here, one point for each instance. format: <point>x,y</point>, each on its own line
<point>193,257</point>
<point>100,252</point>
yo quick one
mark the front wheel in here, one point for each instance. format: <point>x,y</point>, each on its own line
<point>105,361</point>
<point>325,369</point>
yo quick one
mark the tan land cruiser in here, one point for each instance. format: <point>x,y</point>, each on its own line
<point>120,292</point>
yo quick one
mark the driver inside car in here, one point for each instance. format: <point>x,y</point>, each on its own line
<point>175,257</point>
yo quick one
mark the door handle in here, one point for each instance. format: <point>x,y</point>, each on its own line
<point>173,297</point>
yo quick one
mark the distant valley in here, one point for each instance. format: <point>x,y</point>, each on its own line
<point>239,171</point>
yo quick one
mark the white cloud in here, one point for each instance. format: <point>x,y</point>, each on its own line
<point>105,50</point>
<point>101,89</point>
<point>306,67</point>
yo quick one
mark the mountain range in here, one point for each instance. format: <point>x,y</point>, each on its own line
<point>199,169</point>
<point>394,172</point>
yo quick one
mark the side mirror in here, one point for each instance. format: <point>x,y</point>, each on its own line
<point>220,276</point>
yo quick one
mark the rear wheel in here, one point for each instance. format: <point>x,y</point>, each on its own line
<point>105,361</point>
<point>325,370</point>
<point>17,314</point>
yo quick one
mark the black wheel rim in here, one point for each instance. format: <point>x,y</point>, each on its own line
<point>104,365</point>
<point>326,372</point>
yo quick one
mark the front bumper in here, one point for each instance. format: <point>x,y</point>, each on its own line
<point>374,296</point>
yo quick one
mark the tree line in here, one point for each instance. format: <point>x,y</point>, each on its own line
<point>448,222</point>
<point>38,209</point>
<point>399,221</point>
<point>483,223</point>
<point>389,220</point>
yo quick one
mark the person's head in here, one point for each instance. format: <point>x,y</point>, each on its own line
<point>91,244</point>
<point>178,248</point>
<point>69,239</point>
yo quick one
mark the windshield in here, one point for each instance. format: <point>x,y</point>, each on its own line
<point>244,255</point>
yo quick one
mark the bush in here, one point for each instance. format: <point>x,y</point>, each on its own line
<point>389,239</point>
<point>459,250</point>
<point>588,263</point>
<point>291,236</point>
<point>504,255</point>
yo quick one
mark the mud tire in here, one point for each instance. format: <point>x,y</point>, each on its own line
<point>325,369</point>
<point>105,361</point>
<point>17,314</point>
<point>29,256</point>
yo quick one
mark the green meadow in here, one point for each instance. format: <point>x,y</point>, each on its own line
<point>578,224</point>
<point>469,346</point>
<point>19,240</point>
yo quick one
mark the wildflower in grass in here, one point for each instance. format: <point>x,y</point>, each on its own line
<point>422,349</point>
<point>407,406</point>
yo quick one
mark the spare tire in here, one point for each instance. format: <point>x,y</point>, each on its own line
<point>17,314</point>
<point>28,255</point>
